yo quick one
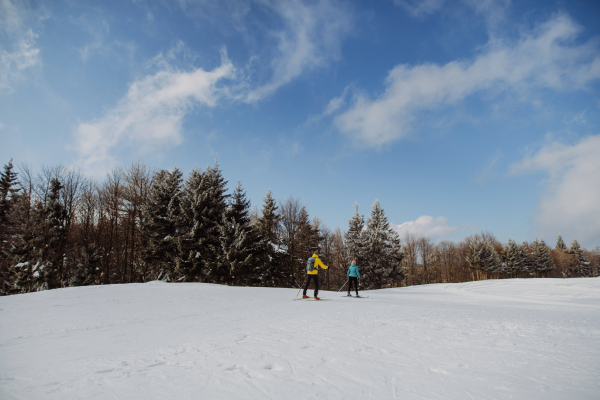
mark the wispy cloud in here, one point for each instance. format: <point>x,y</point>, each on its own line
<point>484,173</point>
<point>19,51</point>
<point>570,202</point>
<point>151,114</point>
<point>310,38</point>
<point>435,228</point>
<point>548,57</point>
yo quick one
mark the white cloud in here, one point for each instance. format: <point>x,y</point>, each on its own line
<point>436,228</point>
<point>151,113</point>
<point>570,204</point>
<point>19,51</point>
<point>310,38</point>
<point>546,58</point>
<point>419,8</point>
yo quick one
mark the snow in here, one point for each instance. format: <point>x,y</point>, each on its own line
<point>496,339</point>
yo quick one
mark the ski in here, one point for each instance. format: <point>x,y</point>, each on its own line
<point>359,297</point>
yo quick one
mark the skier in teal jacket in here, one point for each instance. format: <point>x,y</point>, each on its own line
<point>353,277</point>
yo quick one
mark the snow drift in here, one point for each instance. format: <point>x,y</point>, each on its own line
<point>523,339</point>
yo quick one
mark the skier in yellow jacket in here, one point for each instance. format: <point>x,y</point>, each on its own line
<point>312,272</point>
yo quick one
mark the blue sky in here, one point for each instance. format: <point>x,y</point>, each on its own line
<point>459,116</point>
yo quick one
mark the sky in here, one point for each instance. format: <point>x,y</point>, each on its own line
<point>458,116</point>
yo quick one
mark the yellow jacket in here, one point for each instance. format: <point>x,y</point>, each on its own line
<point>317,264</point>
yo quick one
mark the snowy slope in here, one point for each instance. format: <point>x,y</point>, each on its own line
<point>499,339</point>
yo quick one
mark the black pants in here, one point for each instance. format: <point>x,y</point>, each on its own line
<point>314,278</point>
<point>352,279</point>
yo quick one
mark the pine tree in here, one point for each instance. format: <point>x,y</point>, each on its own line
<point>8,222</point>
<point>203,204</point>
<point>580,265</point>
<point>542,260</point>
<point>483,256</point>
<point>39,252</point>
<point>159,226</point>
<point>309,237</point>
<point>354,238</point>
<point>513,258</point>
<point>270,268</point>
<point>560,244</point>
<point>239,241</point>
<point>528,265</point>
<point>383,251</point>
<point>88,269</point>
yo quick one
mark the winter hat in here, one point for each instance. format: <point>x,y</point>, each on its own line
<point>353,261</point>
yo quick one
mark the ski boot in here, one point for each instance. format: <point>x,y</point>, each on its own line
<point>305,296</point>
<point>349,295</point>
<point>316,298</point>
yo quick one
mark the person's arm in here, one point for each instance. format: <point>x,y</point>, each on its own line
<point>318,263</point>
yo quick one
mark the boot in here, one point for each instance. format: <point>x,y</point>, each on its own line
<point>304,296</point>
<point>316,298</point>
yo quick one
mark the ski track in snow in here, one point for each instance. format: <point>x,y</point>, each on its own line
<point>497,339</point>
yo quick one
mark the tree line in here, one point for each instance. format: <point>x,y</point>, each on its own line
<point>59,228</point>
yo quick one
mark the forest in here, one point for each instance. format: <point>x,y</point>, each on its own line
<point>59,228</point>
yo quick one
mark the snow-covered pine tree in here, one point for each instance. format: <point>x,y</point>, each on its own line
<point>269,263</point>
<point>542,260</point>
<point>39,251</point>
<point>8,222</point>
<point>483,256</point>
<point>513,257</point>
<point>88,270</point>
<point>203,203</point>
<point>383,251</point>
<point>560,244</point>
<point>239,241</point>
<point>159,226</point>
<point>580,265</point>
<point>354,239</point>
<point>528,266</point>
<point>308,238</point>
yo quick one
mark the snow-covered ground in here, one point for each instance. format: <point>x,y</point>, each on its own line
<point>498,339</point>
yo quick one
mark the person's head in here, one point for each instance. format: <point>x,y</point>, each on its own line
<point>315,255</point>
<point>353,261</point>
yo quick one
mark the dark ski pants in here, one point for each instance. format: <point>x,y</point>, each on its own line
<point>352,279</point>
<point>308,279</point>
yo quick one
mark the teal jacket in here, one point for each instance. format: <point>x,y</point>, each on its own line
<point>353,271</point>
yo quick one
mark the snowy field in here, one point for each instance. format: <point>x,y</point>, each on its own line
<point>498,339</point>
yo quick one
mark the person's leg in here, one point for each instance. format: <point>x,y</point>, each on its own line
<point>356,285</point>
<point>350,280</point>
<point>306,285</point>
<point>316,278</point>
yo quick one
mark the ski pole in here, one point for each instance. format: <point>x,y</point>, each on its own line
<point>301,287</point>
<point>341,287</point>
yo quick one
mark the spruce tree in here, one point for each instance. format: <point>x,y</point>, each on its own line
<point>159,226</point>
<point>354,238</point>
<point>8,222</point>
<point>39,251</point>
<point>309,237</point>
<point>203,204</point>
<point>542,260</point>
<point>239,241</point>
<point>528,265</point>
<point>580,265</point>
<point>513,257</point>
<point>88,269</point>
<point>560,244</point>
<point>483,256</point>
<point>269,264</point>
<point>383,251</point>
